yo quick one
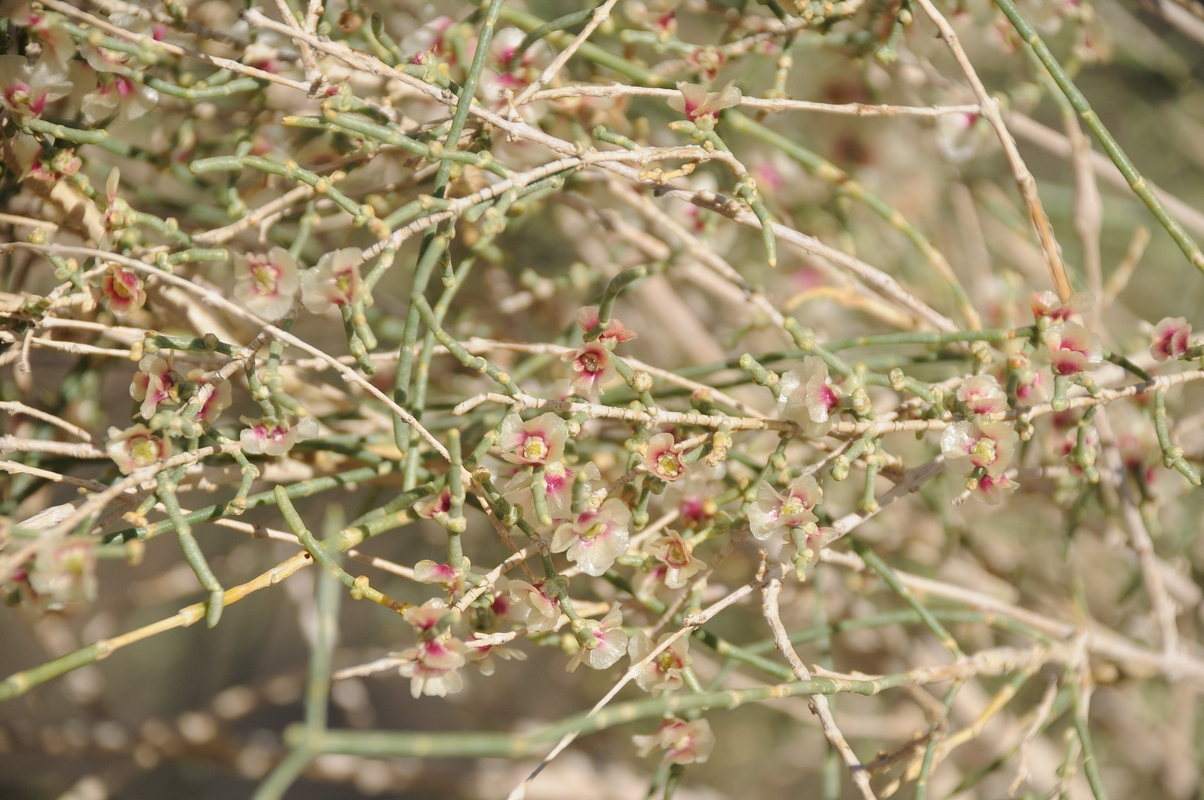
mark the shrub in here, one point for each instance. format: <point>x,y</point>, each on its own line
<point>570,338</point>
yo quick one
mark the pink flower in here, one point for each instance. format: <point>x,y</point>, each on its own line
<point>1172,337</point>
<point>335,281</point>
<point>661,460</point>
<point>433,666</point>
<point>1030,383</point>
<point>659,16</point>
<point>504,48</point>
<point>807,398</point>
<point>26,90</point>
<point>982,394</point>
<point>118,95</point>
<point>591,368</point>
<point>511,72</point>
<point>447,576</point>
<point>428,40</point>
<point>663,673</point>
<point>677,554</point>
<point>696,102</point>
<point>987,444</point>
<point>1047,305</point>
<point>155,382</point>
<point>614,333</point>
<point>694,497</point>
<point>772,511</point>
<point>993,489</point>
<point>431,507</point>
<point>540,610</point>
<point>1086,454</point>
<point>1072,348</point>
<point>275,438</point>
<point>102,59</point>
<point>136,447</point>
<point>123,289</point>
<point>706,61</point>
<point>266,284</point>
<point>425,617</point>
<point>218,401</point>
<point>57,45</point>
<point>540,441</point>
<point>596,538</point>
<point>683,742</point>
<point>604,641</point>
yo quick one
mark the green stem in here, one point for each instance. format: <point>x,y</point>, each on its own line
<point>875,562</point>
<point>472,744</point>
<point>1134,178</point>
<point>1090,765</point>
<point>359,586</point>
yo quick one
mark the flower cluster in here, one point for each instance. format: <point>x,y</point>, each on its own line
<point>986,443</point>
<point>433,665</point>
<point>592,363</point>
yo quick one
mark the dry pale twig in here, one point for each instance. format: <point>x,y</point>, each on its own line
<point>1024,178</point>
<point>819,703</point>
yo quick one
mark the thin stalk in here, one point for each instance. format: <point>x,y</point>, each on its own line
<point>1134,178</point>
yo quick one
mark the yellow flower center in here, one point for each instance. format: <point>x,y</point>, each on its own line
<point>534,448</point>
<point>984,450</point>
<point>145,451</point>
<point>265,277</point>
<point>793,506</point>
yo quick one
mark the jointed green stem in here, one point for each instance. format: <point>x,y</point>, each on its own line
<point>192,550</point>
<point>391,744</point>
<point>1142,189</point>
<point>359,586</point>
